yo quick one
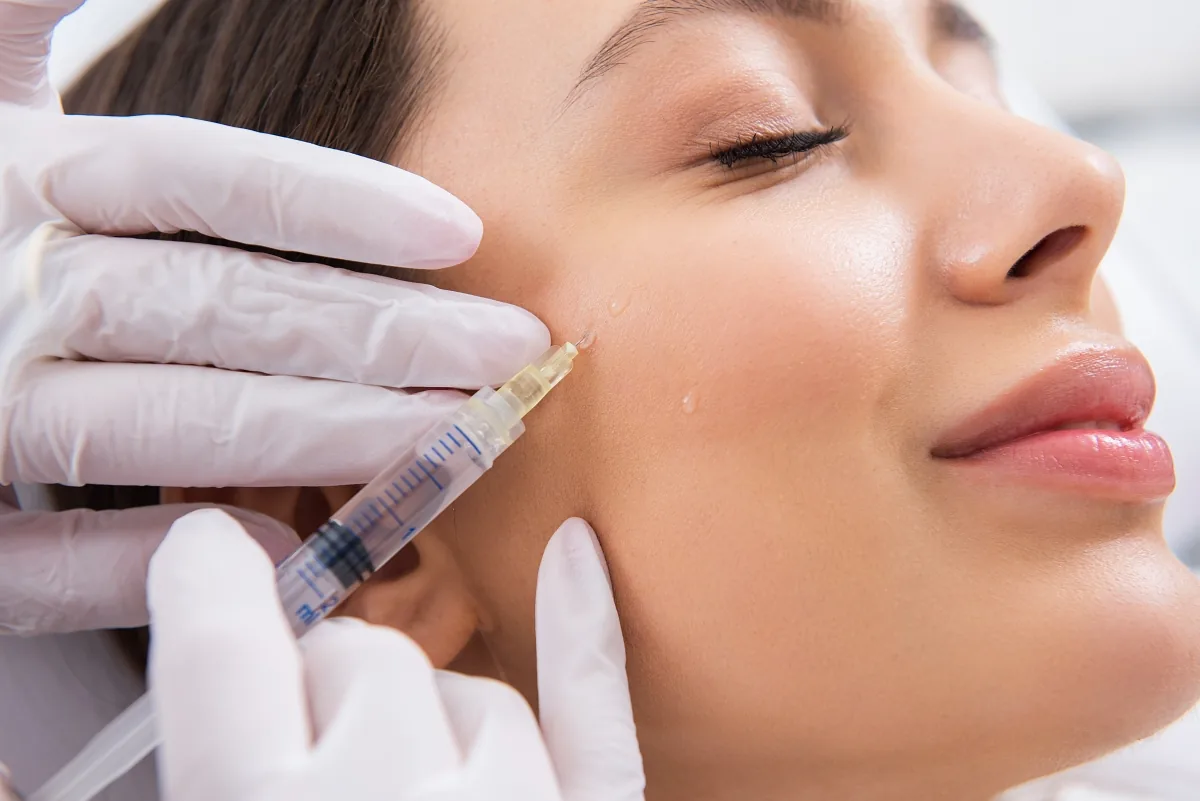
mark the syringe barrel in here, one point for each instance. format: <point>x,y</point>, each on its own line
<point>386,514</point>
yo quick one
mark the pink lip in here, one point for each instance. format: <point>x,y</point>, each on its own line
<point>1019,434</point>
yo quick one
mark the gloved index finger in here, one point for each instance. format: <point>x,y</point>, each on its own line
<point>225,668</point>
<point>25,31</point>
<point>143,174</point>
<point>82,570</point>
<point>583,690</point>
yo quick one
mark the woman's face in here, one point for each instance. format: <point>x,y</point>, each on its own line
<point>818,601</point>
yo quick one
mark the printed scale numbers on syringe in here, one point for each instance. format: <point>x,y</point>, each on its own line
<point>380,520</point>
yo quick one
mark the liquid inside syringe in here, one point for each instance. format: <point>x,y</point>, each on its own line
<point>386,514</point>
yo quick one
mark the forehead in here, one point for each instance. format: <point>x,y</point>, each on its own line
<point>541,46</point>
<point>535,44</point>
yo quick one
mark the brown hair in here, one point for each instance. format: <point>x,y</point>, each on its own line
<point>345,74</point>
<point>351,75</point>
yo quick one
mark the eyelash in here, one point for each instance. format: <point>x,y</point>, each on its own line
<point>775,148</point>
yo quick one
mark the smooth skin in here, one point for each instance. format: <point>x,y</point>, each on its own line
<point>814,607</point>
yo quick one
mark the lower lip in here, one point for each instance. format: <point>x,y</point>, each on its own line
<point>1127,465</point>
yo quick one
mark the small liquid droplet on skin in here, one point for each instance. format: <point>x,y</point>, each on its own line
<point>618,305</point>
<point>689,403</point>
<point>587,340</point>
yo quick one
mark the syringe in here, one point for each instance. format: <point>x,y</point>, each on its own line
<point>359,539</point>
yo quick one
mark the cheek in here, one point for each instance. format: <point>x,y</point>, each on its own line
<point>734,325</point>
<point>728,412</point>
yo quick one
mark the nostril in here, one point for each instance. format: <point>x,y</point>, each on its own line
<point>1054,246</point>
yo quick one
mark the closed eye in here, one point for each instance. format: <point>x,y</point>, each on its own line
<point>774,148</point>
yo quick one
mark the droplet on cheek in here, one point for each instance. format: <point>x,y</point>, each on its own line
<point>690,401</point>
<point>619,303</point>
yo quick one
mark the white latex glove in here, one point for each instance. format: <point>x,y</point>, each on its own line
<point>135,362</point>
<point>1082,792</point>
<point>356,712</point>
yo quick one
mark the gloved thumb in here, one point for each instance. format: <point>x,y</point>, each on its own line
<point>225,668</point>
<point>583,691</point>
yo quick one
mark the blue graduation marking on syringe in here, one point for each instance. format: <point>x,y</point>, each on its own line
<point>309,580</point>
<point>425,470</point>
<point>468,439</point>
<point>373,510</point>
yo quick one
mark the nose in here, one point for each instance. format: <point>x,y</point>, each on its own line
<point>1012,210</point>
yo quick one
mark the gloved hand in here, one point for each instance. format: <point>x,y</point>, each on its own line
<point>356,712</point>
<point>137,362</point>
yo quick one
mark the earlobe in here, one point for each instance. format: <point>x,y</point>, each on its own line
<point>422,593</point>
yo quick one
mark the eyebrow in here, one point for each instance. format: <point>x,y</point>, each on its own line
<point>949,19</point>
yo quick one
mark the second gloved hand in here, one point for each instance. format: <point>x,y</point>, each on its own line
<point>355,712</point>
<point>143,362</point>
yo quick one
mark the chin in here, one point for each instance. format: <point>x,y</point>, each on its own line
<point>1130,664</point>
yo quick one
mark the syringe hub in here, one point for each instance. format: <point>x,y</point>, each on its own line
<point>527,388</point>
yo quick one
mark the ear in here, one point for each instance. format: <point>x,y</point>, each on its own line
<point>421,591</point>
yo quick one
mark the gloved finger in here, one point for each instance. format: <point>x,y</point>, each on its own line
<point>583,690</point>
<point>25,30</point>
<point>499,737</point>
<point>183,426</point>
<point>82,570</point>
<point>374,702</point>
<point>184,303</point>
<point>224,666</point>
<point>135,175</point>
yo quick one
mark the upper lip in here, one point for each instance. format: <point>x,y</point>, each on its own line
<point>1105,385</point>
